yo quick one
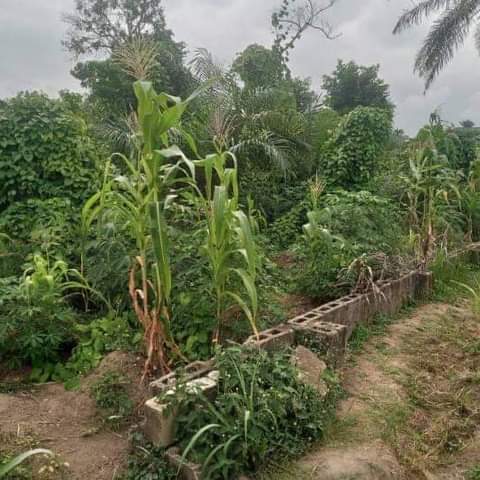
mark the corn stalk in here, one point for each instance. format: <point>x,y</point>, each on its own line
<point>140,199</point>
<point>230,244</point>
<point>429,186</point>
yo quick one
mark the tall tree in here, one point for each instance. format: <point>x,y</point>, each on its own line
<point>259,67</point>
<point>291,21</point>
<point>105,27</point>
<point>352,85</point>
<point>447,33</point>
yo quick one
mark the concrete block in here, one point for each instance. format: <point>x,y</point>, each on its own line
<point>325,338</point>
<point>160,423</point>
<point>190,372</point>
<point>423,284</point>
<point>187,470</point>
<point>310,369</point>
<point>276,338</point>
<point>160,417</point>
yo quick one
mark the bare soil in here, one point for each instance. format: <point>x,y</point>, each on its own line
<point>67,422</point>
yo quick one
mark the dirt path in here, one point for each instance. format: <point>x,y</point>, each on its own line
<point>412,406</point>
<point>67,422</point>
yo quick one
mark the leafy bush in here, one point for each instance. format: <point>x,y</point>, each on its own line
<point>261,410</point>
<point>45,151</point>
<point>322,258</point>
<point>46,225</point>
<point>333,240</point>
<point>193,304</point>
<point>377,224</point>
<point>94,340</point>
<point>351,156</point>
<point>35,322</point>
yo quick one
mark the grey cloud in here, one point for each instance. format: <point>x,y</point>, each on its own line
<point>32,56</point>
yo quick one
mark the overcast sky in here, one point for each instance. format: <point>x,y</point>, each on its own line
<point>32,57</point>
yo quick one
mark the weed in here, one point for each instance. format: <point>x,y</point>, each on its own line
<point>147,462</point>
<point>261,411</point>
<point>111,396</point>
<point>474,473</point>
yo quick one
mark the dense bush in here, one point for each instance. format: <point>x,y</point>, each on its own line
<point>322,258</point>
<point>261,410</point>
<point>332,240</point>
<point>367,222</point>
<point>45,151</point>
<point>351,155</point>
<point>36,324</point>
<point>44,225</point>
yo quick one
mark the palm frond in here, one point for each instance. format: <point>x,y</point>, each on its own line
<point>477,37</point>
<point>276,149</point>
<point>445,37</point>
<point>418,13</point>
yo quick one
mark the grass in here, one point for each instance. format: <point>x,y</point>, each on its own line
<point>474,473</point>
<point>430,415</point>
<point>449,276</point>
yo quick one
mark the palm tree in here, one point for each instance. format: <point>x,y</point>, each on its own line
<point>446,35</point>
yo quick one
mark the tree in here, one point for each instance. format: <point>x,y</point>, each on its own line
<point>291,21</point>
<point>104,25</point>
<point>447,33</point>
<point>352,85</point>
<point>107,26</point>
<point>467,124</point>
<point>259,67</point>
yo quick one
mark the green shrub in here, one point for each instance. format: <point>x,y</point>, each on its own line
<point>45,151</point>
<point>351,155</point>
<point>287,228</point>
<point>35,322</point>
<point>94,340</point>
<point>147,462</point>
<point>321,260</point>
<point>368,223</point>
<point>261,411</point>
<point>42,225</point>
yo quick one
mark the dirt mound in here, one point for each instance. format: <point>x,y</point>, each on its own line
<point>67,422</point>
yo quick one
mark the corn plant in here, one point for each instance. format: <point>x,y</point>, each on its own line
<point>230,244</point>
<point>8,467</point>
<point>139,200</point>
<point>471,202</point>
<point>429,188</point>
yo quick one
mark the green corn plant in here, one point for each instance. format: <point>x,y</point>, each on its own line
<point>471,202</point>
<point>140,200</point>
<point>429,188</point>
<point>230,244</point>
<point>15,462</point>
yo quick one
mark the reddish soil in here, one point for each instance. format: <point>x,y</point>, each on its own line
<point>67,423</point>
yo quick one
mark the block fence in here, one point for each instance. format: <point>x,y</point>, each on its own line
<point>325,329</point>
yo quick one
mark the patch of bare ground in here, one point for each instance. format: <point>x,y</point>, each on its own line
<point>67,422</point>
<point>412,406</point>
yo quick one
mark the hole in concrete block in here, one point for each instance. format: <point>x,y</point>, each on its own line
<point>300,320</point>
<point>276,331</point>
